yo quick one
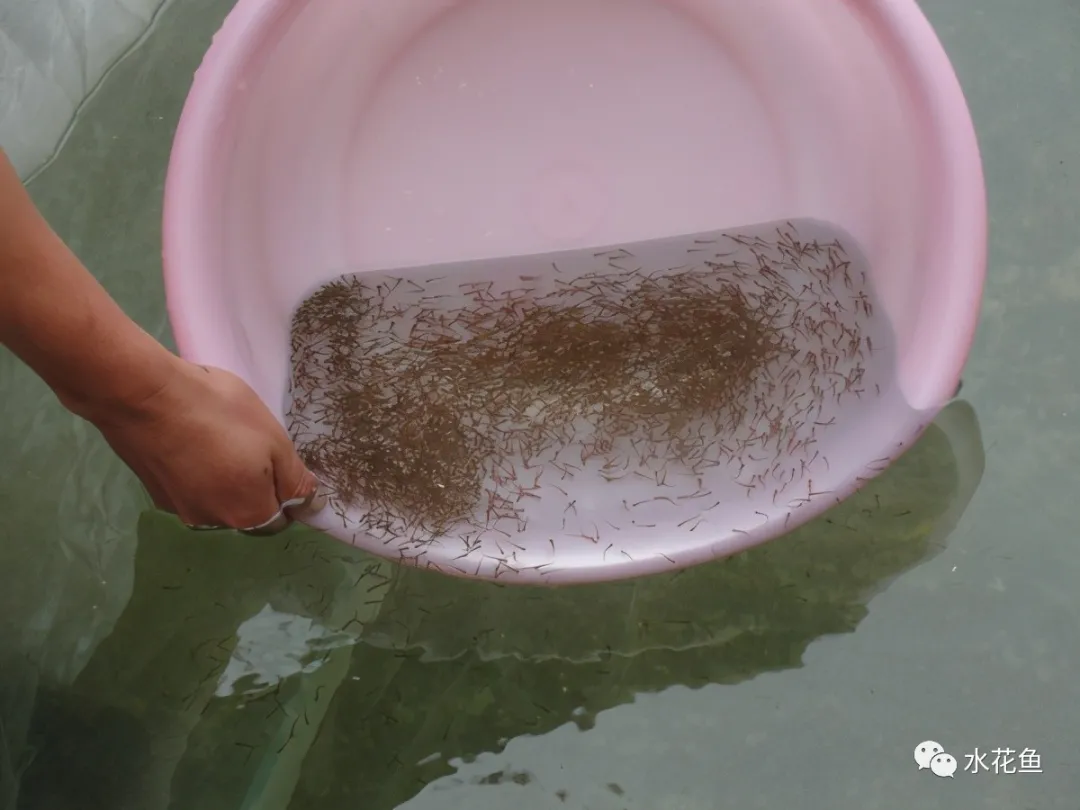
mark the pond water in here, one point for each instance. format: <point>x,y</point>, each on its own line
<point>145,667</point>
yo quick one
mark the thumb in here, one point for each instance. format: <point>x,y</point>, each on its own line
<point>293,481</point>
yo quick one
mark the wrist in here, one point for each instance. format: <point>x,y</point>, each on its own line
<point>125,387</point>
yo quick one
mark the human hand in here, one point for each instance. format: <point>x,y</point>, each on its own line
<point>208,450</point>
<point>202,442</point>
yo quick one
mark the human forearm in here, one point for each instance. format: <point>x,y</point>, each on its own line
<point>60,321</point>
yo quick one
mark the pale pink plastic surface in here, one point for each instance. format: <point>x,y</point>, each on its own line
<point>325,135</point>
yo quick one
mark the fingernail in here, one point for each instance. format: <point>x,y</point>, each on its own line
<point>318,501</point>
<point>314,503</point>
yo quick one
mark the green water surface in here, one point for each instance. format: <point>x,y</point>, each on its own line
<point>144,667</point>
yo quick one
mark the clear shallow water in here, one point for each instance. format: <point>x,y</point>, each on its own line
<point>152,669</point>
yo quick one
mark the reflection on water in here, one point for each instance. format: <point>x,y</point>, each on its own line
<point>223,638</point>
<point>272,646</point>
<point>451,670</point>
<point>295,672</point>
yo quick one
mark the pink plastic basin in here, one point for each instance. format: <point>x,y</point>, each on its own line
<point>322,136</point>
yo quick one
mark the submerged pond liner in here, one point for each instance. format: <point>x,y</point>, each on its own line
<point>380,635</point>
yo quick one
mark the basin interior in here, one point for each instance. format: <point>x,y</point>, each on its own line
<point>375,135</point>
